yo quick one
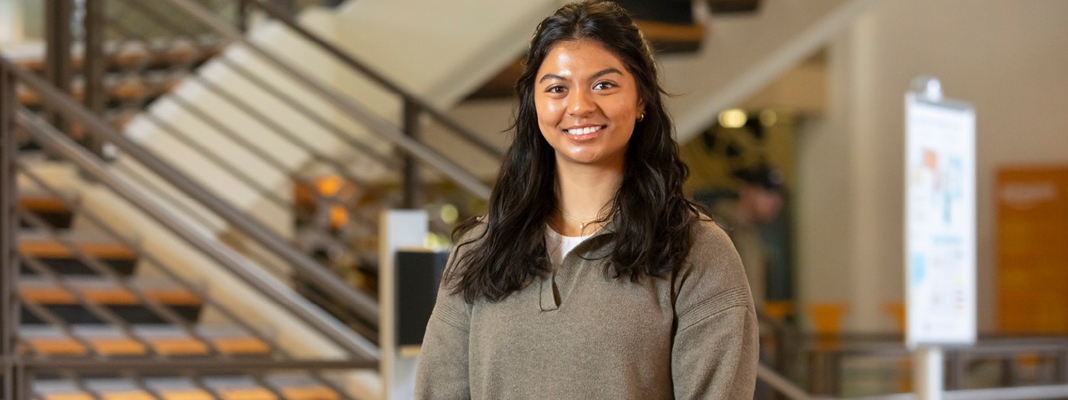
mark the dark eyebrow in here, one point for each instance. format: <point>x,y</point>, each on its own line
<point>605,71</point>
<point>551,76</point>
<point>596,75</point>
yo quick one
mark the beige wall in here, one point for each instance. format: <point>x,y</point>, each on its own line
<point>1007,58</point>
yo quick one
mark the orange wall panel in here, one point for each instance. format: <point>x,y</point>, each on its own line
<point>1032,249</point>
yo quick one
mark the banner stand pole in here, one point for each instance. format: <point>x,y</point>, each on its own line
<point>927,372</point>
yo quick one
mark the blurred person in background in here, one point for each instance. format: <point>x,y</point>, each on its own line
<point>759,202</point>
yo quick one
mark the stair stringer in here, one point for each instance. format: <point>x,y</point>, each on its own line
<point>742,54</point>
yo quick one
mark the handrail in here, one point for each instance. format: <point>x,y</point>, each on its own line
<point>9,262</point>
<point>366,307</point>
<point>988,348</point>
<point>377,124</point>
<point>275,11</point>
<point>792,392</point>
<point>235,263</point>
<point>783,385</point>
<point>1012,393</point>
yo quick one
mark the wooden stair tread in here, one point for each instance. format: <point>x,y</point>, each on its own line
<point>104,292</point>
<point>56,346</point>
<point>177,389</point>
<point>310,393</point>
<point>51,248</point>
<point>128,395</point>
<point>248,345</point>
<point>179,346</point>
<point>172,341</point>
<point>117,346</point>
<point>187,394</point>
<point>228,340</point>
<point>68,396</point>
<point>248,394</point>
<point>43,203</point>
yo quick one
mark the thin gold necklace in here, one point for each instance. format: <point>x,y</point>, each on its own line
<point>582,224</point>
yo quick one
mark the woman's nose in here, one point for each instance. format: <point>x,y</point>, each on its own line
<point>581,103</point>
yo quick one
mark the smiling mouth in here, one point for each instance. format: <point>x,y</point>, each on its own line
<point>584,131</point>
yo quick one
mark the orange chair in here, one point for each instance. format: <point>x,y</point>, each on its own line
<point>827,317</point>
<point>896,310</point>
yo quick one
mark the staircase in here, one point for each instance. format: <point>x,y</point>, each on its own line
<point>137,73</point>
<point>83,297</point>
<point>111,308</point>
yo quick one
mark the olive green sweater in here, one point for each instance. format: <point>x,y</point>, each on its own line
<point>580,333</point>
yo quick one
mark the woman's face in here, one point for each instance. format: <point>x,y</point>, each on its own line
<point>587,104</point>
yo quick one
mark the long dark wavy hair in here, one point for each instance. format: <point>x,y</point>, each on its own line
<point>652,219</point>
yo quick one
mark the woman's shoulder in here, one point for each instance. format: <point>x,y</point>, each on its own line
<point>710,240</point>
<point>712,269</point>
<point>712,248</point>
<point>466,237</point>
<point>471,231</point>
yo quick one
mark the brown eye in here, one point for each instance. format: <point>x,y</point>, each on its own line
<point>604,86</point>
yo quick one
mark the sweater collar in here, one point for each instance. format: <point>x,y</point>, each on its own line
<point>598,245</point>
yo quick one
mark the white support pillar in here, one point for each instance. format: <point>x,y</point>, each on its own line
<point>927,372</point>
<point>397,229</point>
<point>10,21</point>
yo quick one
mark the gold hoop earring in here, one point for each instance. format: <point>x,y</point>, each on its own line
<point>641,117</point>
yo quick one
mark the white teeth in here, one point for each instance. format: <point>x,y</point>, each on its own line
<point>583,131</point>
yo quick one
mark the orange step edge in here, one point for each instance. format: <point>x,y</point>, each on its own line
<point>58,346</point>
<point>309,393</point>
<point>109,296</point>
<point>43,203</point>
<point>54,249</point>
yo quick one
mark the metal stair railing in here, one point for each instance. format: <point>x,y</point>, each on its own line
<point>226,257</point>
<point>420,105</point>
<point>274,127</point>
<point>791,391</point>
<point>381,127</point>
<point>18,369</point>
<point>825,356</point>
<point>362,304</point>
<point>362,220</point>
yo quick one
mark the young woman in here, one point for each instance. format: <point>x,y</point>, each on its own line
<point>591,276</point>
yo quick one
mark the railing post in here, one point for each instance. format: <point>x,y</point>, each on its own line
<point>956,375</point>
<point>1062,365</point>
<point>9,263</point>
<point>94,67</point>
<point>58,38</point>
<point>411,176</point>
<point>289,6</point>
<point>242,16</point>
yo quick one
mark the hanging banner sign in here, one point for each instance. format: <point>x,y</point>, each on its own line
<point>939,218</point>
